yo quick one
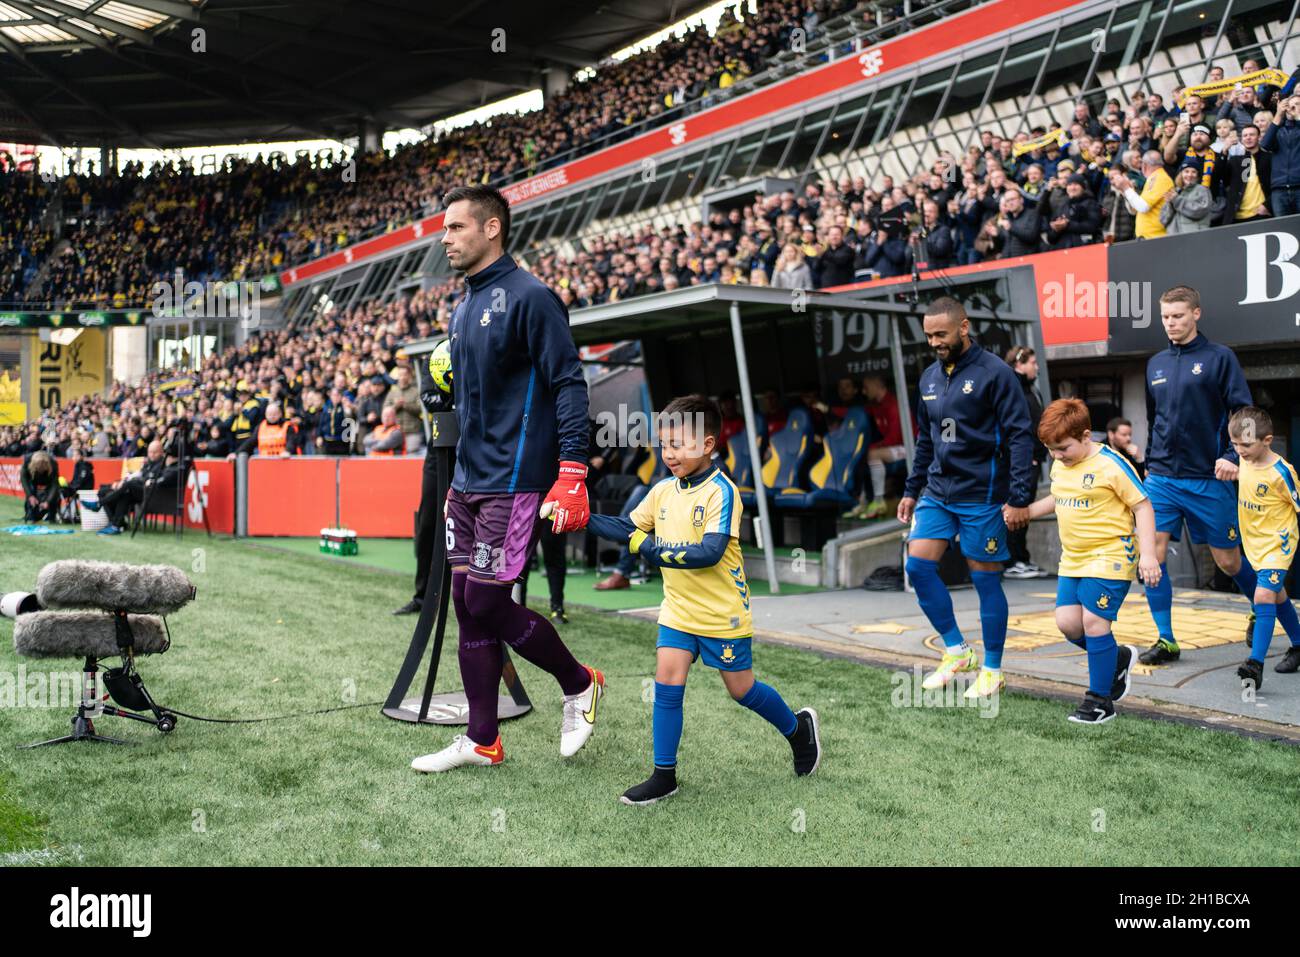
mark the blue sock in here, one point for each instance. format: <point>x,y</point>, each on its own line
<point>1246,579</point>
<point>993,615</point>
<point>667,723</point>
<point>1265,619</point>
<point>1161,602</point>
<point>932,595</point>
<point>1290,623</point>
<point>763,700</point>
<point>1103,654</point>
<point>1078,642</point>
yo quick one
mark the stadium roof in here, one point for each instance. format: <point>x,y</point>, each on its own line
<point>133,73</point>
<point>708,306</point>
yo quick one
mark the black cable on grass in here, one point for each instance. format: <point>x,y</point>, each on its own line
<point>307,714</point>
<point>278,717</point>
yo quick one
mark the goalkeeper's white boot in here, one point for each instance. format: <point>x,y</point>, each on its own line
<point>580,715</point>
<point>461,751</point>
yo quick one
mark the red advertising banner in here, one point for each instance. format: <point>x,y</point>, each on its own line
<point>295,496</point>
<point>10,482</point>
<point>375,497</point>
<point>378,498</point>
<point>1057,275</point>
<point>979,23</point>
<point>211,483</point>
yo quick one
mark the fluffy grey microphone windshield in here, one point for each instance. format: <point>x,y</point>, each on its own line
<point>78,634</point>
<point>113,586</point>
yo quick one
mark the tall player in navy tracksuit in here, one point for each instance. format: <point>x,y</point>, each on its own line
<point>521,403</point>
<point>1193,387</point>
<point>974,460</point>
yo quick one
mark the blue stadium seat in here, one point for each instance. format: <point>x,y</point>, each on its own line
<point>831,478</point>
<point>652,469</point>
<point>738,462</point>
<point>740,468</point>
<point>788,450</point>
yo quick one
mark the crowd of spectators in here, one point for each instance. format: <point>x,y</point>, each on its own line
<point>1110,172</point>
<point>1113,177</point>
<point>24,241</point>
<point>253,217</point>
<point>333,382</point>
<point>1154,165</point>
<point>1135,170</point>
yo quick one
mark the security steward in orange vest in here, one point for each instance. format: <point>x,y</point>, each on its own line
<point>270,439</point>
<point>387,437</point>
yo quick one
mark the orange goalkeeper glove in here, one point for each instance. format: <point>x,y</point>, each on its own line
<point>568,498</point>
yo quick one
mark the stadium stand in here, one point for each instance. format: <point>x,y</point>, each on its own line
<point>995,176</point>
<point>255,217</point>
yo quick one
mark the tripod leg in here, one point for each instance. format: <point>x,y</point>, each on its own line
<point>434,591</point>
<point>440,628</point>
<point>510,675</point>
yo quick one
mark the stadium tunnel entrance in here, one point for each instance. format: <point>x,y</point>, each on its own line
<point>791,348</point>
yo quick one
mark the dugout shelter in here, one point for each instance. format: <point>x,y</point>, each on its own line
<point>749,340</point>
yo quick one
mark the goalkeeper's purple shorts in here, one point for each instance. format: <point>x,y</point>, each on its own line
<point>494,534</point>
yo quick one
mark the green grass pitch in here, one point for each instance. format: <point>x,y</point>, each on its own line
<point>272,633</point>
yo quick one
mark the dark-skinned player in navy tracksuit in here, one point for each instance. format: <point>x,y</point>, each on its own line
<point>521,404</point>
<point>1193,387</point>
<point>974,460</point>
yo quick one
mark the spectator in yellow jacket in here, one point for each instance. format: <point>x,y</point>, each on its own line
<point>1154,193</point>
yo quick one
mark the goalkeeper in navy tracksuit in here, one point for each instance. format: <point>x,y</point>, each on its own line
<point>974,460</point>
<point>521,405</point>
<point>1193,387</point>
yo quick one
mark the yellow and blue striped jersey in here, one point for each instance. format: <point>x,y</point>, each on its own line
<point>711,601</point>
<point>1094,511</point>
<point>1267,502</point>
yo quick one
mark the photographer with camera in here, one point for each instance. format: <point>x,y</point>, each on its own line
<point>886,251</point>
<point>933,245</point>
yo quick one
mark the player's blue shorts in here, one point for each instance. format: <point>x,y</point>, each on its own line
<point>1274,579</point>
<point>983,531</point>
<point>1101,596</point>
<point>725,654</point>
<point>1208,505</point>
